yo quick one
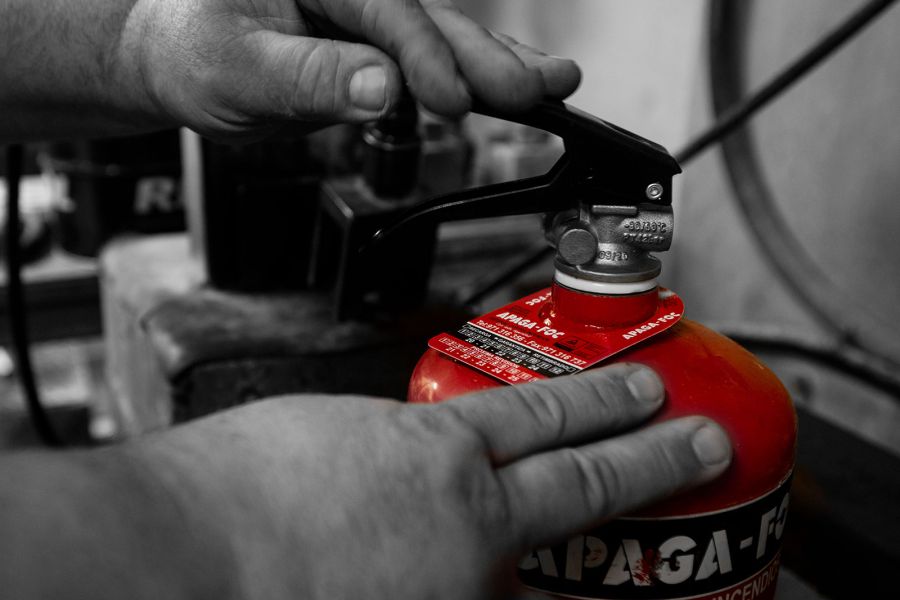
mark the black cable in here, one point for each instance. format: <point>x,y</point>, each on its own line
<point>509,274</point>
<point>842,315</point>
<point>497,281</point>
<point>829,353</point>
<point>15,298</point>
<point>735,114</point>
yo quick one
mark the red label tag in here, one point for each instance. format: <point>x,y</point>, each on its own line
<point>515,345</point>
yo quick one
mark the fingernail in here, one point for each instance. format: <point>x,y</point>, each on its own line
<point>711,445</point>
<point>645,385</point>
<point>367,88</point>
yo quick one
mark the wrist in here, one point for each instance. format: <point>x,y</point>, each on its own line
<point>103,524</point>
<point>67,71</point>
<point>132,82</point>
<point>220,477</point>
<point>183,499</point>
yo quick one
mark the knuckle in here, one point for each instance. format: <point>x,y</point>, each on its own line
<point>419,67</point>
<point>446,422</point>
<point>597,479</point>
<point>317,83</point>
<point>612,398</point>
<point>426,420</point>
<point>661,463</point>
<point>461,475</point>
<point>452,419</point>
<point>546,409</point>
<point>489,505</point>
<point>370,15</point>
<point>604,398</point>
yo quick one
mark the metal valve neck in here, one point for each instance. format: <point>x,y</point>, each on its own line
<point>606,249</point>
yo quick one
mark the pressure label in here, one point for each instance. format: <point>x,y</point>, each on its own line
<point>731,554</point>
<point>533,361</point>
<point>515,344</point>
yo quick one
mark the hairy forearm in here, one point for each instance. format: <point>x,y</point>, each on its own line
<point>106,524</point>
<point>68,70</point>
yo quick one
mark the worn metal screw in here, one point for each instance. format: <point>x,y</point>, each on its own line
<point>654,191</point>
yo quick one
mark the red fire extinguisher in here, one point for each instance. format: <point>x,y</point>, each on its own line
<point>610,196</point>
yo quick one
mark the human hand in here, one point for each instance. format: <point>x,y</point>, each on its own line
<point>230,68</point>
<point>350,497</point>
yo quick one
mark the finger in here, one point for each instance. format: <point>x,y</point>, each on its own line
<point>554,494</point>
<point>495,74</point>
<point>404,30</point>
<point>561,75</point>
<point>314,79</point>
<point>518,420</point>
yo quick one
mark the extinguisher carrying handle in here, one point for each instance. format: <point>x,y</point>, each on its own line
<point>603,165</point>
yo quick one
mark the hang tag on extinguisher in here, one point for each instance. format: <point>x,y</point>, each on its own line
<point>518,343</point>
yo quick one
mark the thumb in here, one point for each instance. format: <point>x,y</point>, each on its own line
<point>303,78</point>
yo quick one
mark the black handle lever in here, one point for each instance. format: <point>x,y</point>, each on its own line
<point>520,197</point>
<point>586,134</point>
<point>603,164</point>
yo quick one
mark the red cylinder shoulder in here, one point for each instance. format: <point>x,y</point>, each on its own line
<point>438,377</point>
<point>708,374</point>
